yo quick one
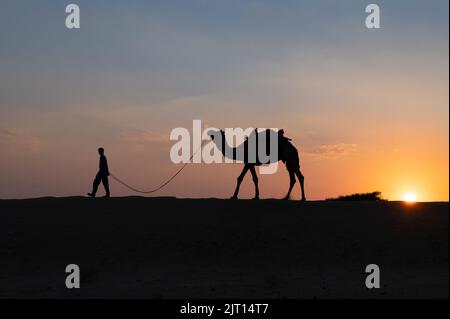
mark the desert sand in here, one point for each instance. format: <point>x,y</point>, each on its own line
<point>213,248</point>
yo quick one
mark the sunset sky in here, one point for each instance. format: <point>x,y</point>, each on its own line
<point>367,109</point>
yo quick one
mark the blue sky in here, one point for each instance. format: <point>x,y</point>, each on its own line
<point>151,50</point>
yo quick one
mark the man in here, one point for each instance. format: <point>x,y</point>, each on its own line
<point>102,175</point>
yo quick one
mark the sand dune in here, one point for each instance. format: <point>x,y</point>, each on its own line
<point>211,248</point>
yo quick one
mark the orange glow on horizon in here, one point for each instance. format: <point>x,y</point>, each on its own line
<point>410,198</point>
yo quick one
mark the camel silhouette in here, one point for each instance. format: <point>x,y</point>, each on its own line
<point>287,153</point>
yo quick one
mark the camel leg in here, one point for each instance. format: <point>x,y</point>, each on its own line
<point>255,181</point>
<point>291,183</point>
<point>301,179</point>
<point>239,181</point>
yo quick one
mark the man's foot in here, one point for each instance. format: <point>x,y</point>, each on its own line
<point>91,195</point>
<point>234,197</point>
<point>106,196</point>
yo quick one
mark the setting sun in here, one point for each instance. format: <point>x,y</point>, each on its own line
<point>410,197</point>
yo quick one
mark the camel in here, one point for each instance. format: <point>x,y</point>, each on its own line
<point>286,153</point>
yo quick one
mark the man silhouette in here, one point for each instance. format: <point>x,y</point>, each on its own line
<point>102,175</point>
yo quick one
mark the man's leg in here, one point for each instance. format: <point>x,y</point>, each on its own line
<point>106,184</point>
<point>95,184</point>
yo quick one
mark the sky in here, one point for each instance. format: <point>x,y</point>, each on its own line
<point>367,109</point>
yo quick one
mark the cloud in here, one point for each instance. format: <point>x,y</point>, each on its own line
<point>21,138</point>
<point>6,133</point>
<point>332,150</point>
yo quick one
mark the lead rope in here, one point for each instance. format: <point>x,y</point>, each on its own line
<point>163,184</point>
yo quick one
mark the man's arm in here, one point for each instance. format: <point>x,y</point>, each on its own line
<point>106,166</point>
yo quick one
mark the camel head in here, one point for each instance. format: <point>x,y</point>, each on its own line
<point>215,134</point>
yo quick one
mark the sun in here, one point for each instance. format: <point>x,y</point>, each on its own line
<point>410,197</point>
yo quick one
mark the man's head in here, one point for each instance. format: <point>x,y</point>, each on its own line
<point>101,150</point>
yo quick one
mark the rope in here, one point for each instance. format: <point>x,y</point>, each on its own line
<point>163,184</point>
